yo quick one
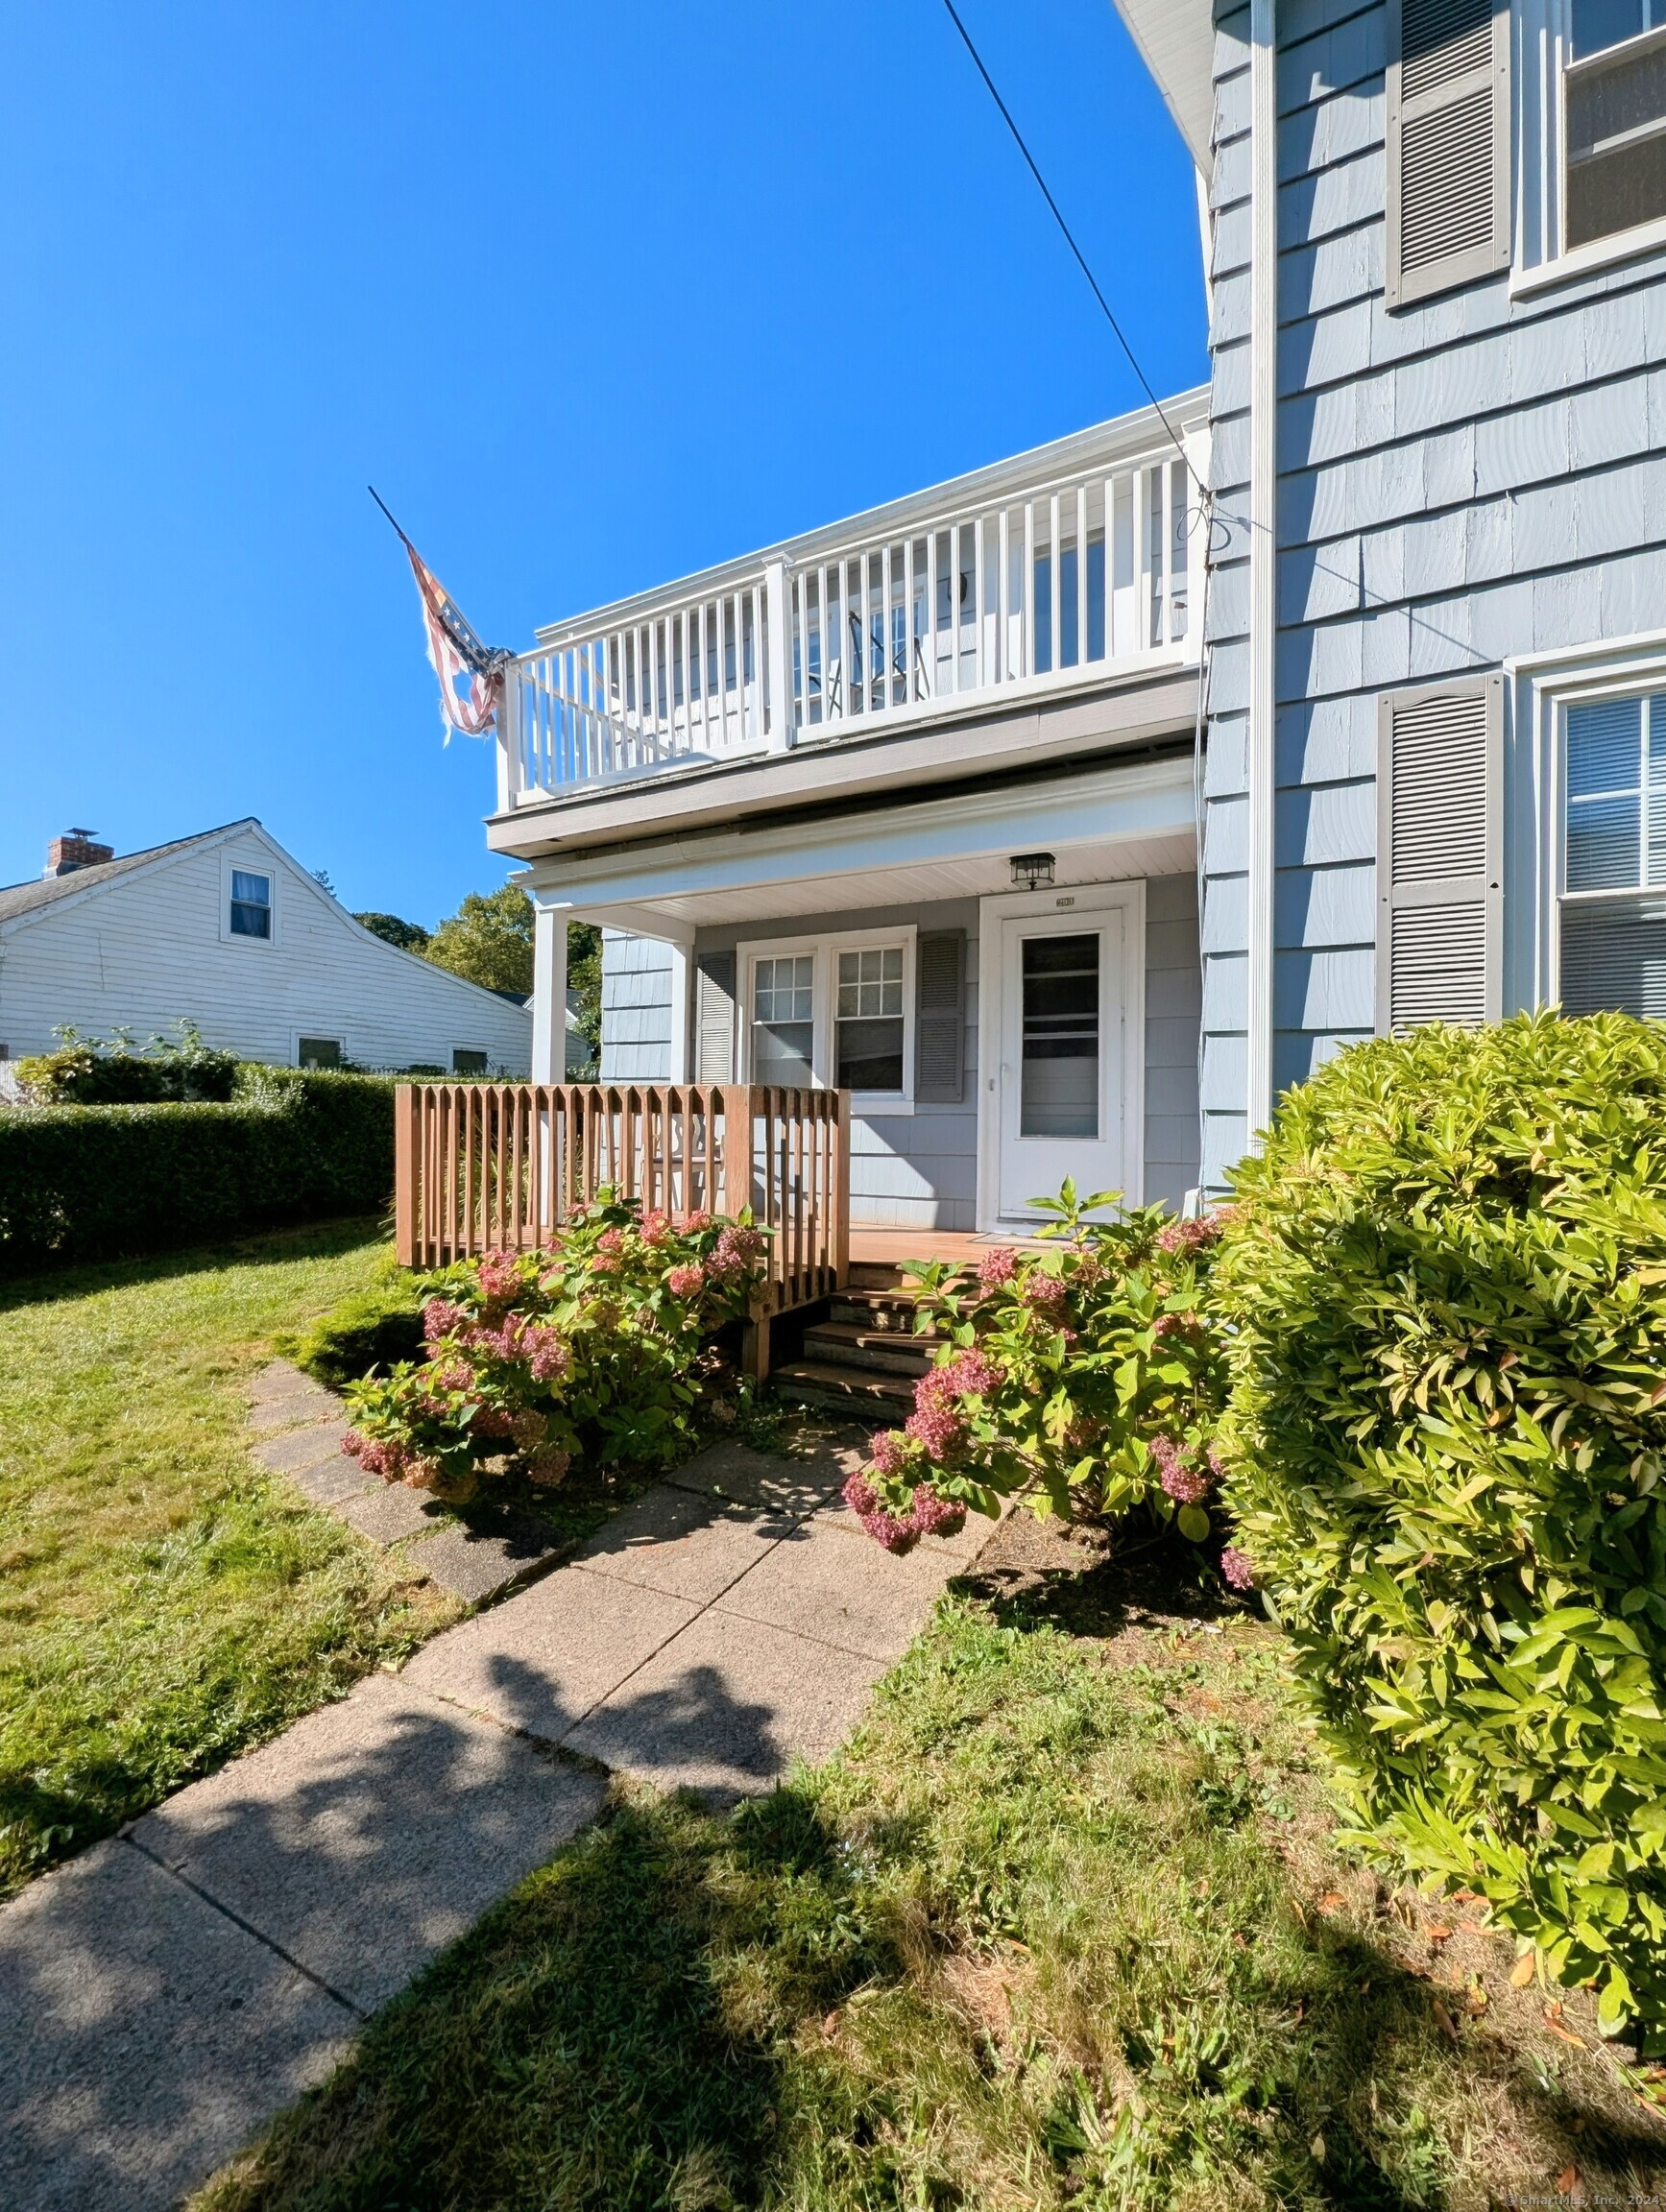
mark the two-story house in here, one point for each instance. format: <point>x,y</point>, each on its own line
<point>905,806</point>
<point>1437,626</point>
<point>920,805</point>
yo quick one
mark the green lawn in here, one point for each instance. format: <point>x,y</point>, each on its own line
<point>1062,1928</point>
<point>163,1604</point>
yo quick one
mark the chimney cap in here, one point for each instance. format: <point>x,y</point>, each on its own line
<point>76,848</point>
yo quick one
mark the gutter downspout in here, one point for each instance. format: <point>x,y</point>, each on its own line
<point>1262,765</point>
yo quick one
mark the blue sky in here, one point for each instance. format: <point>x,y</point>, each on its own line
<point>593,295</point>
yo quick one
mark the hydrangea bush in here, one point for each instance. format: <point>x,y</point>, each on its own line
<point>593,1346</point>
<point>1088,1369</point>
<point>1444,1286</point>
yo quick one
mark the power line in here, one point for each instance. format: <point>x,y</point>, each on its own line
<point>1069,241</point>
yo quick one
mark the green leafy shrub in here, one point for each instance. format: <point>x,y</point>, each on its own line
<point>592,1347</point>
<point>93,1182</point>
<point>1088,1370</point>
<point>85,1073</point>
<point>1445,1291</point>
<point>375,1327</point>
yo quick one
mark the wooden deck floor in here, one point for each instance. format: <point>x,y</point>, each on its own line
<point>891,1246</point>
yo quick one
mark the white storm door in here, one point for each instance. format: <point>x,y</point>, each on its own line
<point>1062,1078</point>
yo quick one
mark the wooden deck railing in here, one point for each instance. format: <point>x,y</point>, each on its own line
<point>499,1166</point>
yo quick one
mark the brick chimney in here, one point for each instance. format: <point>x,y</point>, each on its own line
<point>76,848</point>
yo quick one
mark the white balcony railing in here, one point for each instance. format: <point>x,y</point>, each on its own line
<point>991,587</point>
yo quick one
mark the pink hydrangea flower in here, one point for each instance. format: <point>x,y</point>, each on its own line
<point>610,1240</point>
<point>882,1527</point>
<point>1186,1482</point>
<point>936,1431</point>
<point>657,1228</point>
<point>1236,1569</point>
<point>500,1276</point>
<point>736,1248</point>
<point>1046,1294</point>
<point>547,1354</point>
<point>528,1427</point>
<point>687,1282</point>
<point>997,1268</point>
<point>440,1317</point>
<point>936,1516</point>
<point>888,1452</point>
<point>693,1223</point>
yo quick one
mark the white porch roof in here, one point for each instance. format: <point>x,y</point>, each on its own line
<point>1108,825</point>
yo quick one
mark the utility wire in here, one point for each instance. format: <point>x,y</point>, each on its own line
<point>1069,241</point>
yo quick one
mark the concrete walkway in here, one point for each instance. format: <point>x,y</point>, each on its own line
<point>167,1992</point>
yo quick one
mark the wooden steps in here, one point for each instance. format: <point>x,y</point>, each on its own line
<point>865,1358</point>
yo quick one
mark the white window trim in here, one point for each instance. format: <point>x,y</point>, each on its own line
<point>1542,687</point>
<point>1543,34</point>
<point>319,1035</point>
<point>871,1105</point>
<point>1086,899</point>
<point>230,863</point>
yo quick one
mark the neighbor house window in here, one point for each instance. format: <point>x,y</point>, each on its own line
<point>250,905</point>
<point>784,1020</point>
<point>1614,119</point>
<point>868,1020</point>
<point>464,1061</point>
<point>1613,929</point>
<point>319,1051</point>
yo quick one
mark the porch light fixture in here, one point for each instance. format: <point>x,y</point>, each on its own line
<point>1031,871</point>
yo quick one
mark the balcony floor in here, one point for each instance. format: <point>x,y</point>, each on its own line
<point>891,1247</point>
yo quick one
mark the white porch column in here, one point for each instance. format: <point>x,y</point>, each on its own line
<point>549,994</point>
<point>682,1012</point>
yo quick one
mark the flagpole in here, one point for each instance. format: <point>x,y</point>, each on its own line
<point>389,513</point>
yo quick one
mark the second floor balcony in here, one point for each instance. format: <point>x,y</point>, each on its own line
<point>1073,567</point>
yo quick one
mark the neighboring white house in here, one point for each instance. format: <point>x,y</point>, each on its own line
<point>226,930</point>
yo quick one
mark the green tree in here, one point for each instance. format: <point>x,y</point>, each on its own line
<point>488,941</point>
<point>409,936</point>
<point>584,982</point>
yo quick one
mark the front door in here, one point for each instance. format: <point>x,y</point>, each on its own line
<point>1061,1084</point>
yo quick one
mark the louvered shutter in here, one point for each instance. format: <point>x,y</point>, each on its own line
<point>1448,132</point>
<point>939,1016</point>
<point>714,1017</point>
<point>1439,836</point>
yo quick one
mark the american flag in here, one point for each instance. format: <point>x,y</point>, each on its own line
<point>470,674</point>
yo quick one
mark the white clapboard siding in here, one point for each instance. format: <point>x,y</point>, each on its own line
<point>150,946</point>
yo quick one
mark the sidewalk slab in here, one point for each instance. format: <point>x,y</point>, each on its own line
<point>333,1479</point>
<point>387,1512</point>
<point>143,2037</point>
<point>373,1833</point>
<point>291,1410</point>
<point>474,1563</point>
<point>686,1543</point>
<point>299,1448</point>
<point>742,1477</point>
<point>834,1584</point>
<point>540,1662</point>
<point>281,1379</point>
<point>726,1706</point>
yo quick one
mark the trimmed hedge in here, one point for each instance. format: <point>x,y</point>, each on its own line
<point>1445,1286</point>
<point>96,1182</point>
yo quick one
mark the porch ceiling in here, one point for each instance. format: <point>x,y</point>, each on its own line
<point>1108,825</point>
<point>914,884</point>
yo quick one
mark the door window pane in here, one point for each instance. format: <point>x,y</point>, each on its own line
<point>1059,1088</point>
<point>869,1019</point>
<point>784,1020</point>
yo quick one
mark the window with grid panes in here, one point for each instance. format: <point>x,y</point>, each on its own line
<point>868,1020</point>
<point>784,1020</point>
<point>1613,906</point>
<point>1615,119</point>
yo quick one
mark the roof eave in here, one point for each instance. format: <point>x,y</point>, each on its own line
<point>1176,42</point>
